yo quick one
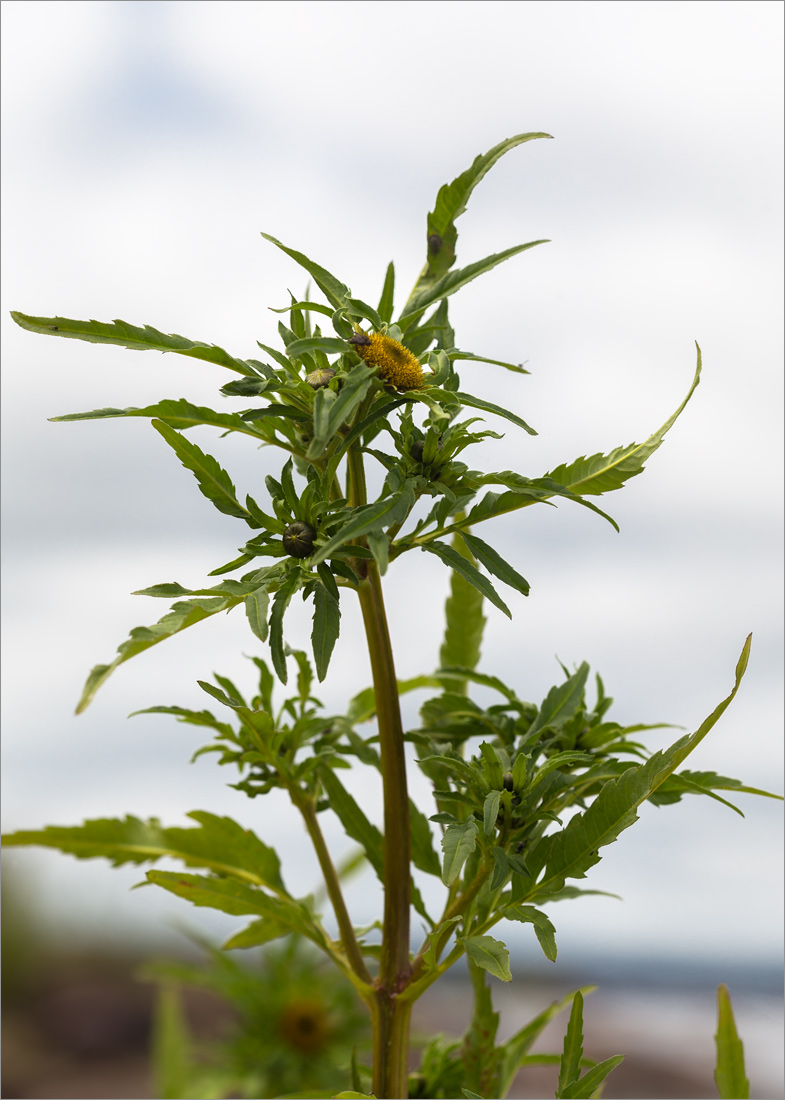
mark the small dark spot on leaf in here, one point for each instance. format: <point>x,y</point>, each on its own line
<point>434,244</point>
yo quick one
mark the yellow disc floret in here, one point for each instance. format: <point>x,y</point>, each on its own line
<point>396,364</point>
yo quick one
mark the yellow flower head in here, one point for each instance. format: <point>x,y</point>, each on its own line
<point>396,364</point>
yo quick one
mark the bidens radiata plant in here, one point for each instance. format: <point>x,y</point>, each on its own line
<point>525,794</point>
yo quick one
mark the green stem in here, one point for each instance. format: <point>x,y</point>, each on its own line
<point>390,1016</point>
<point>348,938</point>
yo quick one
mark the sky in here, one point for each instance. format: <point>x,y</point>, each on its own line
<point>147,145</point>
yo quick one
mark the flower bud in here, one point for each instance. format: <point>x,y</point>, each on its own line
<point>320,378</point>
<point>298,539</point>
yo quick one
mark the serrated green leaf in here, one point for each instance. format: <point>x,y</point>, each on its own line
<point>490,954</point>
<point>561,702</point>
<point>453,281</point>
<point>495,563</point>
<point>604,473</point>
<point>464,622</point>
<point>730,1075</point>
<point>356,824</point>
<point>180,617</point>
<point>490,811</point>
<point>461,565</point>
<point>543,929</point>
<point>515,1050</point>
<point>308,344</point>
<point>256,604</point>
<point>236,898</point>
<point>588,1085</point>
<point>331,409</point>
<point>333,289</point>
<point>424,856</point>
<point>171,1047</point>
<point>326,628</point>
<point>569,1068</point>
<point>458,843</point>
<point>280,603</point>
<point>572,851</point>
<point>213,481</point>
<point>457,354</point>
<point>369,517</point>
<point>129,336</point>
<point>385,307</point>
<point>451,203</point>
<point>257,934</point>
<point>487,406</point>
<point>219,845</point>
<point>180,414</point>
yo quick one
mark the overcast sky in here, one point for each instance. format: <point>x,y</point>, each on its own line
<point>148,144</point>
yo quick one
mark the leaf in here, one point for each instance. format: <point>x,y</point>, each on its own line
<point>331,409</point>
<point>516,368</point>
<point>490,811</point>
<point>328,344</point>
<point>494,563</point>
<point>471,1095</point>
<point>280,603</point>
<point>487,406</point>
<point>171,1046</point>
<point>459,563</point>
<point>385,307</point>
<point>233,897</point>
<point>543,929</point>
<point>129,336</point>
<point>369,517</point>
<point>569,1069</point>
<point>257,934</point>
<point>458,843</point>
<point>179,414</point>
<point>490,954</point>
<point>464,621</point>
<point>451,203</point>
<point>182,615</point>
<point>356,824</point>
<point>333,289</point>
<point>515,1050</point>
<point>603,473</point>
<point>561,702</point>
<point>256,604</point>
<point>453,281</point>
<point>326,628</point>
<point>437,939</point>
<point>424,856</point>
<point>219,845</point>
<point>213,481</point>
<point>588,1085</point>
<point>731,1079</point>
<point>572,851</point>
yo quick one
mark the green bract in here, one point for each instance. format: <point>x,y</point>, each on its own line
<point>525,794</point>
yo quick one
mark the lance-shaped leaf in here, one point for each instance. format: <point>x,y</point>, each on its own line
<point>603,473</point>
<point>331,409</point>
<point>572,851</point>
<point>213,480</point>
<point>490,954</point>
<point>424,856</point>
<point>515,1050</point>
<point>333,289</point>
<point>464,622</point>
<point>370,517</point>
<point>385,307</point>
<point>487,406</point>
<point>219,845</point>
<point>256,604</point>
<point>458,843</point>
<point>543,929</point>
<point>308,344</point>
<point>536,491</point>
<point>180,414</point>
<point>451,282</point>
<point>230,896</point>
<point>516,368</point>
<point>355,823</point>
<point>495,563</point>
<point>130,336</point>
<point>326,628</point>
<point>561,702</point>
<point>451,203</point>
<point>182,615</point>
<point>280,603</point>
<point>459,563</point>
<point>732,1082</point>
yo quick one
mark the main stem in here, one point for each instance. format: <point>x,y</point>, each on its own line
<point>390,1016</point>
